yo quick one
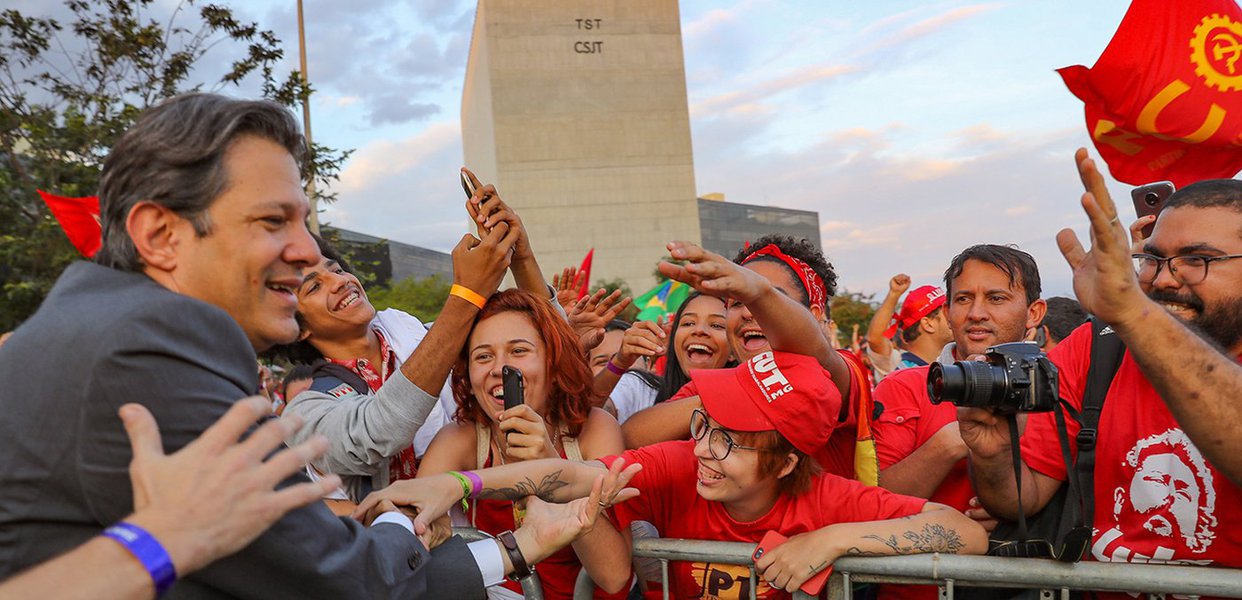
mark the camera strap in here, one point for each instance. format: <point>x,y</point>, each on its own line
<point>1015,450</point>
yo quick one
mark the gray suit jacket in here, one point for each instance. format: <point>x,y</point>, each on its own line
<point>103,338</point>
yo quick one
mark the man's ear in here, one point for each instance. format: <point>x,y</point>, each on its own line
<point>304,333</point>
<point>791,461</point>
<point>1035,313</point>
<point>818,313</point>
<point>153,230</point>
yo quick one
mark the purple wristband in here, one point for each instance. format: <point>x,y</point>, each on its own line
<point>614,369</point>
<point>476,483</point>
<point>148,551</point>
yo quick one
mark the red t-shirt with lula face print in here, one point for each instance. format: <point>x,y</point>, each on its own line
<point>669,500</point>
<point>1157,499</point>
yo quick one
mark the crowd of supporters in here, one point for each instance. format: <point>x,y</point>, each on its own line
<point>739,415</point>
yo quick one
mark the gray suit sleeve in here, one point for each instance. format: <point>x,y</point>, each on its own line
<point>363,431</point>
<point>188,363</point>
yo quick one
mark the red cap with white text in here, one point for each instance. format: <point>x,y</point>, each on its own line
<point>919,303</point>
<point>789,393</point>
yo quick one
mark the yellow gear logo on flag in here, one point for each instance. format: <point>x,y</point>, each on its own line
<point>1215,50</point>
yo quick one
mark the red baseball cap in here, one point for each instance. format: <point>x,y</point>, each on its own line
<point>789,393</point>
<point>919,303</point>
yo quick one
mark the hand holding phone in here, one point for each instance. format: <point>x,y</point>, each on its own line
<point>514,387</point>
<point>1149,200</point>
<point>812,586</point>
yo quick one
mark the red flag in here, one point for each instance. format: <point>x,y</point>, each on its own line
<point>585,272</point>
<point>79,217</point>
<point>1164,101</point>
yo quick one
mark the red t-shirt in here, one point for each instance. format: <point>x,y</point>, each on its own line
<point>669,501</point>
<point>1157,500</point>
<point>908,421</point>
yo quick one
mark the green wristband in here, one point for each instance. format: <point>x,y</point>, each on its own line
<point>465,488</point>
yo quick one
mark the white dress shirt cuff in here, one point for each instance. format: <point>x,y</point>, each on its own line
<point>396,518</point>
<point>491,563</point>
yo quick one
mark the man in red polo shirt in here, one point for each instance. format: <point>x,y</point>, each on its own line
<point>993,298</point>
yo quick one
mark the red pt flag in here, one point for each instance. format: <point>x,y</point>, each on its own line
<point>79,217</point>
<point>585,272</point>
<point>1164,101</point>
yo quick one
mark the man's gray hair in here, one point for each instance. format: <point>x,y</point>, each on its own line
<point>174,156</point>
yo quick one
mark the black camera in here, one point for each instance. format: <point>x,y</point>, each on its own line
<point>1014,378</point>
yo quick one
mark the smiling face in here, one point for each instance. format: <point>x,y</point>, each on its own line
<point>737,481</point>
<point>702,339</point>
<point>332,303</point>
<point>509,338</point>
<point>745,336</point>
<point>1213,305</point>
<point>250,264</point>
<point>985,309</point>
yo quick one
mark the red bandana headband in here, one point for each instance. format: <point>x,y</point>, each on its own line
<point>811,281</point>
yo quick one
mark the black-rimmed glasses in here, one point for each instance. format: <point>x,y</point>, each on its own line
<point>1187,268</point>
<point>719,442</point>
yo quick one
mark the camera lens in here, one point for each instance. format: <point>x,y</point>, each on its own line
<point>945,382</point>
<point>1151,199</point>
<point>965,383</point>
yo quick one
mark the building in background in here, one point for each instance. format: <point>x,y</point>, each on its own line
<point>727,226</point>
<point>389,261</point>
<point>577,111</point>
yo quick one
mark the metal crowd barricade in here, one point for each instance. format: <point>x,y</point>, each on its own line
<point>948,571</point>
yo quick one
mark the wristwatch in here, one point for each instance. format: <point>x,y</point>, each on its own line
<point>521,570</point>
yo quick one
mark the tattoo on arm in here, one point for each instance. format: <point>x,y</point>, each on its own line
<point>527,487</point>
<point>933,538</point>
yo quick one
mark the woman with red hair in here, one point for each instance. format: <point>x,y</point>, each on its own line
<point>520,330</point>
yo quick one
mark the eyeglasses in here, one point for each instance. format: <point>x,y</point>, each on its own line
<point>719,442</point>
<point>1188,268</point>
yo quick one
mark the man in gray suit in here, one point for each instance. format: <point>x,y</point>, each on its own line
<point>204,241</point>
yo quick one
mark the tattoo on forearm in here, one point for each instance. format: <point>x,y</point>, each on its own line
<point>527,487</point>
<point>933,538</point>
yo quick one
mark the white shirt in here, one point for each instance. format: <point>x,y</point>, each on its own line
<point>630,395</point>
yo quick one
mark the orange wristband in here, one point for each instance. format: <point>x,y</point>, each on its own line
<point>468,295</point>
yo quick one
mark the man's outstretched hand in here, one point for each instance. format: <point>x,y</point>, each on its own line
<point>1104,278</point>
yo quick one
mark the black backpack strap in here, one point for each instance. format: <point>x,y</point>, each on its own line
<point>1106,353</point>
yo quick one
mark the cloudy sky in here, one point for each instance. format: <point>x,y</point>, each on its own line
<point>913,128</point>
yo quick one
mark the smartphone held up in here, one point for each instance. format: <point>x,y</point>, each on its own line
<point>514,387</point>
<point>1149,201</point>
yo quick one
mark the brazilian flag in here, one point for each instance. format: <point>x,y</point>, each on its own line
<point>662,300</point>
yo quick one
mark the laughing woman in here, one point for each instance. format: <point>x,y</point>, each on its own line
<point>517,329</point>
<point>699,342</point>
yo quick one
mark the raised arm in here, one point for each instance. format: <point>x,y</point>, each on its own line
<point>363,430</point>
<point>884,315</point>
<point>642,339</point>
<point>787,324</point>
<point>486,209</point>
<point>1198,383</point>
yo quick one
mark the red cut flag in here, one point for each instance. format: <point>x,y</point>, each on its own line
<point>79,217</point>
<point>1164,101</point>
<point>585,272</point>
